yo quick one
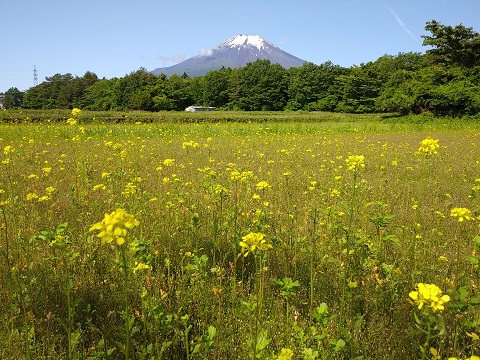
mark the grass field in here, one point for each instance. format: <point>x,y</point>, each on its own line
<point>238,236</point>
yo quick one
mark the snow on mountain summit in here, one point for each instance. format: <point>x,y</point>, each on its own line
<point>245,40</point>
<point>235,52</point>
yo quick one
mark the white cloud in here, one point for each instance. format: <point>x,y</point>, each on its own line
<point>204,52</point>
<point>164,60</point>
<point>401,23</point>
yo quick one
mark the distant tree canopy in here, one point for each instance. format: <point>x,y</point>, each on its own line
<point>445,81</point>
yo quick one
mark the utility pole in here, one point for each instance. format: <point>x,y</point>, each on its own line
<point>35,77</point>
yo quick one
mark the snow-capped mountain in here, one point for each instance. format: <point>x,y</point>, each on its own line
<point>235,52</point>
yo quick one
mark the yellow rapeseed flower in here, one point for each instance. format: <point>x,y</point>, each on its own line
<point>254,241</point>
<point>8,149</point>
<point>168,162</point>
<point>76,112</point>
<point>285,354</point>
<point>114,226</point>
<point>262,185</point>
<point>31,196</point>
<point>428,147</point>
<point>462,214</point>
<point>140,266</point>
<point>429,295</point>
<point>71,121</point>
<point>355,162</point>
<point>99,187</point>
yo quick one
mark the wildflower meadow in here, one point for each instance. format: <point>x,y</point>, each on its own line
<point>338,239</point>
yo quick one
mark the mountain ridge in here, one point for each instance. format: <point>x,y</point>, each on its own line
<point>235,52</point>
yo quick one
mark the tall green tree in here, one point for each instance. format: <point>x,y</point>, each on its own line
<point>310,83</point>
<point>452,45</point>
<point>263,86</point>
<point>130,85</point>
<point>100,96</point>
<point>13,98</point>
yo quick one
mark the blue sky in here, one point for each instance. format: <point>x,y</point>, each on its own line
<point>113,38</point>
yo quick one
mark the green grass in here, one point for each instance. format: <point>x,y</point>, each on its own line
<point>347,246</point>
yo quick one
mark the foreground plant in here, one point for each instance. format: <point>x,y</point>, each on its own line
<point>256,244</point>
<point>113,228</point>
<point>428,298</point>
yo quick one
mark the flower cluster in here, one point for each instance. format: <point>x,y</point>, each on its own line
<point>254,241</point>
<point>76,112</point>
<point>7,150</point>
<point>462,214</point>
<point>428,147</point>
<point>71,121</point>
<point>285,354</point>
<point>262,185</point>
<point>355,162</point>
<point>114,226</point>
<point>429,295</point>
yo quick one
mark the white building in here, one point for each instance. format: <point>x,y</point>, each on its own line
<point>199,108</point>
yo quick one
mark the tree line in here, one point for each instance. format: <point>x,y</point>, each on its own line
<point>445,81</point>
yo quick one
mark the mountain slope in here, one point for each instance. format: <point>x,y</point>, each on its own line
<point>235,52</point>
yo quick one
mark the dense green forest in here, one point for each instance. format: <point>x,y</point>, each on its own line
<point>444,81</point>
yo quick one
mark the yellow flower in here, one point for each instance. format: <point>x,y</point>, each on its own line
<point>46,170</point>
<point>254,241</point>
<point>190,143</point>
<point>114,226</point>
<point>219,189</point>
<point>355,162</point>
<point>8,149</point>
<point>428,147</point>
<point>334,193</point>
<point>76,112</point>
<point>168,162</point>
<point>99,187</point>
<point>462,214</point>
<point>71,121</point>
<point>262,185</point>
<point>31,196</point>
<point>285,354</point>
<point>140,266</point>
<point>429,295</point>
<point>130,189</point>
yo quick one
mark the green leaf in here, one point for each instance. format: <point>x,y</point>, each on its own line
<point>339,345</point>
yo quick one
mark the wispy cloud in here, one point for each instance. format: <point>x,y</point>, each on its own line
<point>164,60</point>
<point>206,52</point>
<point>401,23</point>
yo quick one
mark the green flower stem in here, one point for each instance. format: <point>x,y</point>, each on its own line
<point>127,303</point>
<point>426,346</point>
<point>69,319</point>
<point>347,249</point>
<point>313,258</point>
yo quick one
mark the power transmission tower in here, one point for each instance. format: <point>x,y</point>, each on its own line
<point>35,77</point>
